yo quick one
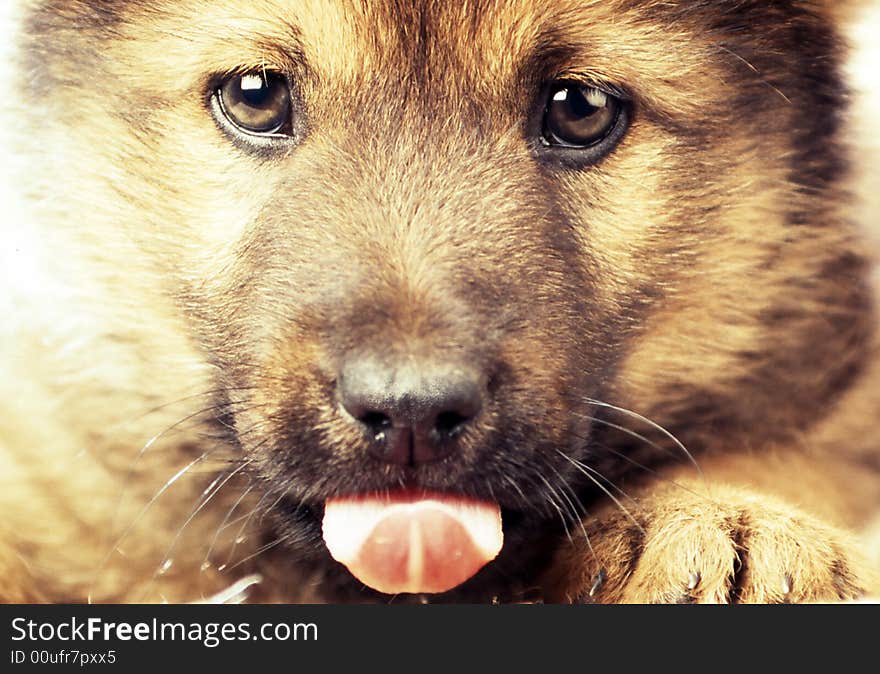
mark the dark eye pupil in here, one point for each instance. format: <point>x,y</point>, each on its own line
<point>257,102</point>
<point>253,93</point>
<point>578,105</point>
<point>578,115</point>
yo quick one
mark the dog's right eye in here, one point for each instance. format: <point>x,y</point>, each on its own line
<point>579,124</point>
<point>579,116</point>
<point>257,103</point>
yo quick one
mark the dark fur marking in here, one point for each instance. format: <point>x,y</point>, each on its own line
<point>740,530</point>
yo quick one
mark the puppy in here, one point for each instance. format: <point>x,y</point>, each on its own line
<point>366,300</point>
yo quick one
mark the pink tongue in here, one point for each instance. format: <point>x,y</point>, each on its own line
<point>414,543</point>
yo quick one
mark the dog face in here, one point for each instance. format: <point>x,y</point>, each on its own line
<point>423,244</point>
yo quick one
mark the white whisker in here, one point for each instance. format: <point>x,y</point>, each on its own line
<point>583,469</point>
<point>165,487</point>
<point>207,495</point>
<point>581,512</point>
<point>223,524</point>
<point>653,425</point>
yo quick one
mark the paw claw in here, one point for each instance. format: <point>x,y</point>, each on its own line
<point>745,549</point>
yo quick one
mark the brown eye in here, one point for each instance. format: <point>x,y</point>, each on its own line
<point>256,102</point>
<point>579,116</point>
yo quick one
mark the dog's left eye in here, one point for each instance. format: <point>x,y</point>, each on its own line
<point>258,103</point>
<point>579,116</point>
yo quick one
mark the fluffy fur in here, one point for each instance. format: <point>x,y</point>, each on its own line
<point>179,301</point>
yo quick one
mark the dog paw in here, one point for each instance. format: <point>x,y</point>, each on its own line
<point>729,546</point>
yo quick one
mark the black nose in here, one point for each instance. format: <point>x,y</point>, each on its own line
<point>413,413</point>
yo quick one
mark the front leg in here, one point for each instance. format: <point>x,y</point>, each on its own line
<point>706,541</point>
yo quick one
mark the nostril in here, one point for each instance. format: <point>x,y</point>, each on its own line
<point>377,422</point>
<point>448,424</point>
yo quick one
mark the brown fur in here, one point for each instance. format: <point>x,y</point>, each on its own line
<point>172,283</point>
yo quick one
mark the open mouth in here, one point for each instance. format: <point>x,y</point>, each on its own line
<point>478,524</point>
<point>412,541</point>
